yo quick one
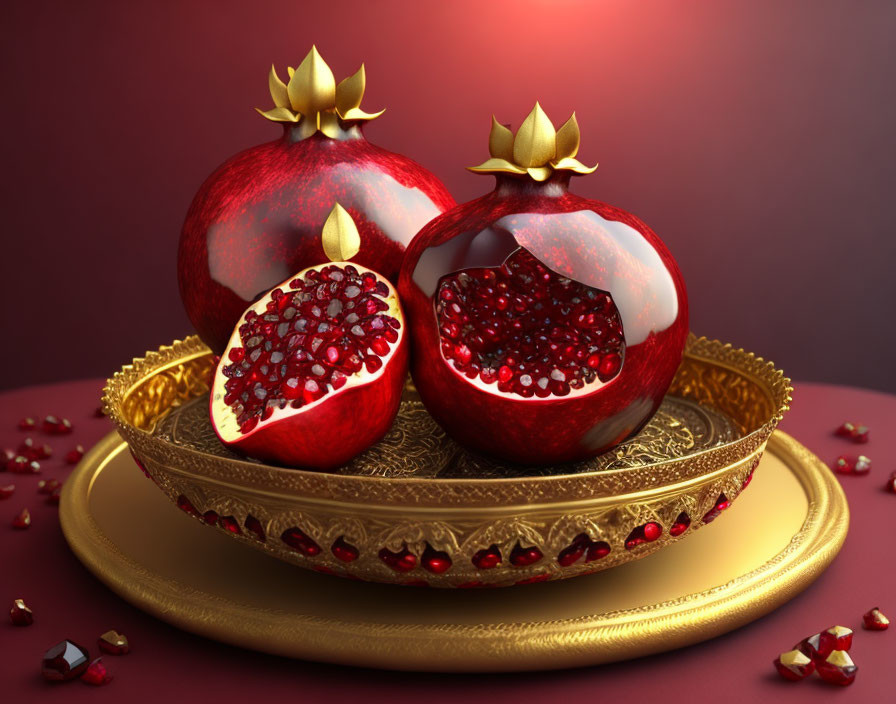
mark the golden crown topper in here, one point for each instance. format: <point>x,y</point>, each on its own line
<point>537,149</point>
<point>313,99</point>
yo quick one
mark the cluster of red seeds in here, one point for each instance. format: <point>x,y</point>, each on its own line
<point>529,330</point>
<point>309,340</point>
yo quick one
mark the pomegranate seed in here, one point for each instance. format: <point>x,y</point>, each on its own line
<point>113,643</point>
<point>23,520</point>
<point>856,467</point>
<point>30,449</point>
<point>48,486</point>
<point>7,491</point>
<point>838,668</point>
<point>8,455</point>
<point>794,665</point>
<point>96,673</point>
<point>55,496</point>
<point>64,661</point>
<point>874,620</point>
<point>20,614</point>
<point>56,426</point>
<point>573,552</point>
<point>27,424</point>
<point>74,456</point>
<point>891,483</point>
<point>855,432</point>
<point>681,524</point>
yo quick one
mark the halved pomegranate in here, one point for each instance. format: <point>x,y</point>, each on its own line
<point>546,327</point>
<point>314,372</point>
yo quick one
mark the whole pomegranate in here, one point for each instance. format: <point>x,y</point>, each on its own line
<point>546,327</point>
<point>255,220</point>
<point>314,372</point>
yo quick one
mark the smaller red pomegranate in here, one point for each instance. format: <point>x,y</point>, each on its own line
<point>314,372</point>
<point>546,327</point>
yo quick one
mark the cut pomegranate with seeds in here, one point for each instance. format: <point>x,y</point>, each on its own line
<point>53,425</point>
<point>22,520</point>
<point>546,327</point>
<point>559,339</point>
<point>313,374</point>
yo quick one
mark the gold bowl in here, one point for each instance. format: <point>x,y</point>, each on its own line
<point>418,509</point>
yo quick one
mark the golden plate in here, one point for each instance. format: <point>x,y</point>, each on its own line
<point>763,551</point>
<point>417,495</point>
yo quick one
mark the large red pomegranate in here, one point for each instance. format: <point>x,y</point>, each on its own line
<point>256,219</point>
<point>313,373</point>
<point>546,327</point>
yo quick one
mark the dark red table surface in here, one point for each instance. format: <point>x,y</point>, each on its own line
<point>68,602</point>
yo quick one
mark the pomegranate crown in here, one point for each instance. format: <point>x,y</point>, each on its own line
<point>340,237</point>
<point>313,99</point>
<point>537,148</point>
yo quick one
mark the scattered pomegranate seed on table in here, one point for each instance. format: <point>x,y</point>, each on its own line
<point>96,673</point>
<point>7,491</point>
<point>837,668</point>
<point>22,465</point>
<point>20,614</point>
<point>857,467</point>
<point>7,456</point>
<point>54,496</point>
<point>891,483</point>
<point>794,665</point>
<point>75,455</point>
<point>52,425</point>
<point>874,620</point>
<point>27,424</point>
<point>856,432</point>
<point>48,486</point>
<point>113,643</point>
<point>64,661</point>
<point>33,451</point>
<point>23,520</point>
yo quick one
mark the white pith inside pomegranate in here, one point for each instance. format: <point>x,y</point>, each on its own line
<point>527,331</point>
<point>314,372</point>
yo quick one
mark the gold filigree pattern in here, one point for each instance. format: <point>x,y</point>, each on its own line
<point>417,489</point>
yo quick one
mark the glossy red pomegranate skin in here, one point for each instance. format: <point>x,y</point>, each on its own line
<point>584,240</point>
<point>257,219</point>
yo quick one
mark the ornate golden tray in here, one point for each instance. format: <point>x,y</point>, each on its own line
<point>771,545</point>
<point>418,509</point>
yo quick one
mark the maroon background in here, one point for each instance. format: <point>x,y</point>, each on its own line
<point>754,136</point>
